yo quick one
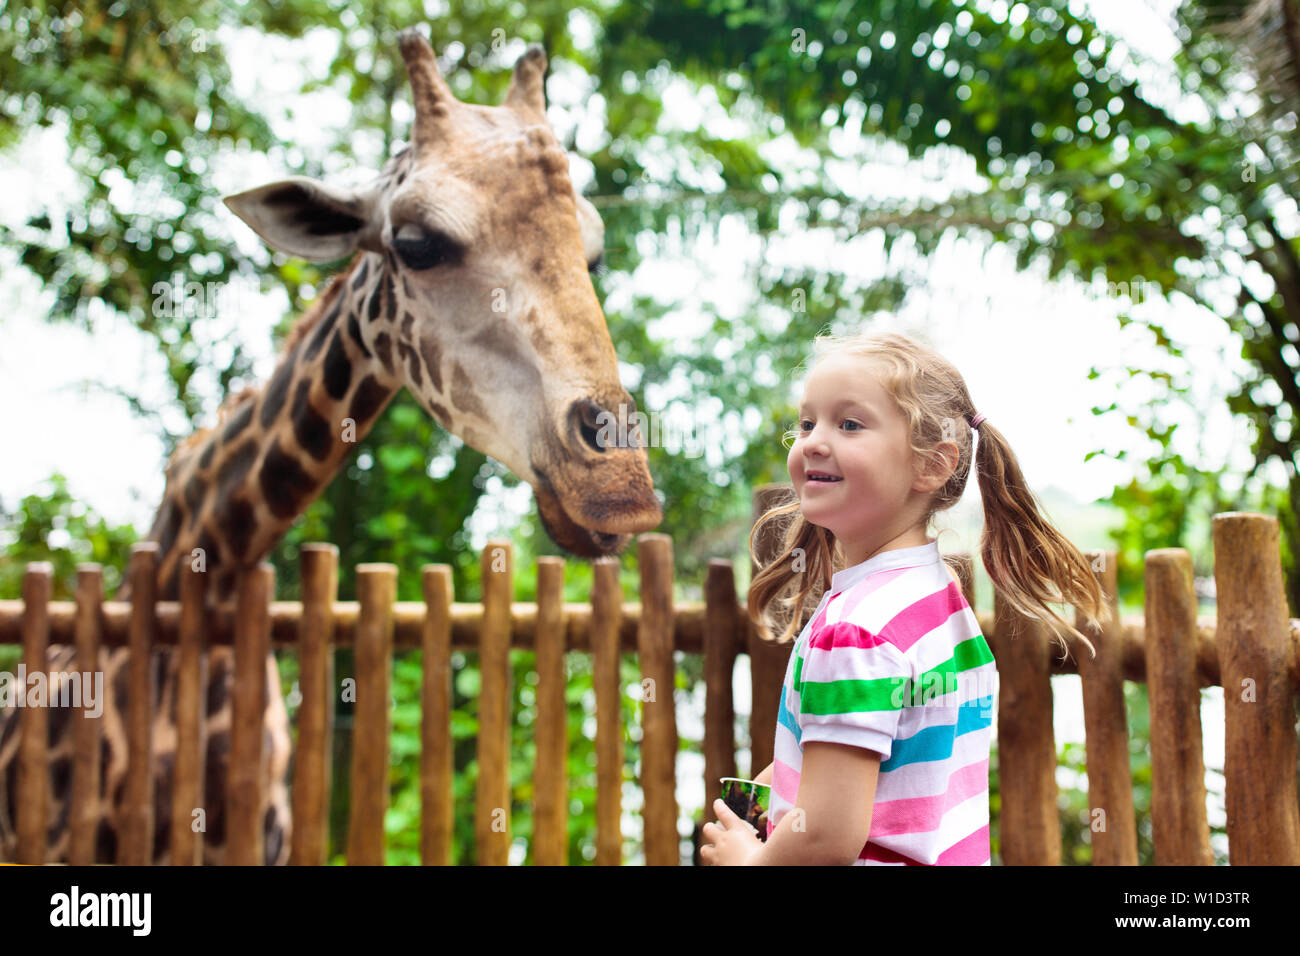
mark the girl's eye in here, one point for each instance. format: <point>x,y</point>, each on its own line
<point>847,421</point>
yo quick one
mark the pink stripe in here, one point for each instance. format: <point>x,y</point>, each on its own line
<point>853,597</point>
<point>971,851</point>
<point>785,781</point>
<point>843,634</point>
<point>925,814</point>
<point>878,854</point>
<point>910,625</point>
<point>821,618</point>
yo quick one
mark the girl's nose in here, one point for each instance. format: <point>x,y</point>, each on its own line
<point>817,438</point>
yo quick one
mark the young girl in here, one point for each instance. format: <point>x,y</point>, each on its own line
<point>883,732</point>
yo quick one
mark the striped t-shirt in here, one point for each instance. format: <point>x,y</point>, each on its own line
<point>893,661</point>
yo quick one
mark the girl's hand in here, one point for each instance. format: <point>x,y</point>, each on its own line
<point>729,842</point>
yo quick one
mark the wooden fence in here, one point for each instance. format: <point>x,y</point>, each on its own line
<point>1253,650</point>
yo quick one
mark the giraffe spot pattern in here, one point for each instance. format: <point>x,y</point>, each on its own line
<point>408,356</point>
<point>360,279</point>
<point>237,423</point>
<point>167,530</point>
<point>322,332</point>
<point>211,550</point>
<point>354,330</point>
<point>432,353</point>
<point>338,369</point>
<point>463,395</point>
<point>273,399</point>
<point>194,489</point>
<point>384,349</point>
<point>239,527</point>
<point>310,429</point>
<point>285,483</point>
<point>369,397</point>
<point>235,469</point>
<point>390,296</point>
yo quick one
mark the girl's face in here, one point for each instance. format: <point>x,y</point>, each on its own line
<point>851,432</point>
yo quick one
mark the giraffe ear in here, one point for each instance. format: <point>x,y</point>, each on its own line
<point>306,218</point>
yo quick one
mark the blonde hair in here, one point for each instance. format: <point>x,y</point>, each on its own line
<point>1029,561</point>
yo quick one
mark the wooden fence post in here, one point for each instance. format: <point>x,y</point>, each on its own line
<point>722,628</point>
<point>86,769</point>
<point>436,764</point>
<point>319,577</point>
<point>492,807</point>
<point>658,714</point>
<point>1028,825</point>
<point>376,592</point>
<point>136,838</point>
<point>1112,820</point>
<point>34,797</point>
<point>191,706</point>
<point>606,621</point>
<point>1255,655</point>
<point>244,804</point>
<point>551,774</point>
<point>1179,828</point>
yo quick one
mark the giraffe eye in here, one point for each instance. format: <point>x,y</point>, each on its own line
<point>422,249</point>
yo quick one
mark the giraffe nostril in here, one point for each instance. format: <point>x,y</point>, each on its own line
<point>588,417</point>
<point>597,427</point>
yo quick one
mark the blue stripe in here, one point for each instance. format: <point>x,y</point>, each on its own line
<point>786,718</point>
<point>936,743</point>
<point>975,714</point>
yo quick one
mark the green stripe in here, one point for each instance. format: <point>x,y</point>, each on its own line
<point>972,653</point>
<point>889,693</point>
<point>849,696</point>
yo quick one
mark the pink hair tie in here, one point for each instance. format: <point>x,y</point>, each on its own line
<point>975,422</point>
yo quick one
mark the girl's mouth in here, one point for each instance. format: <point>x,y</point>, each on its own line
<point>822,477</point>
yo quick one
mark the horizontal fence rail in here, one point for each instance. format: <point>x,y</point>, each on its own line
<point>1251,647</point>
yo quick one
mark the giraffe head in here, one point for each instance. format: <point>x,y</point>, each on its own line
<point>478,250</point>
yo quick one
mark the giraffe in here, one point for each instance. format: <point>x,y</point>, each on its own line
<point>469,285</point>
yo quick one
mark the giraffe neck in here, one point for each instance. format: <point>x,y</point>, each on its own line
<point>236,489</point>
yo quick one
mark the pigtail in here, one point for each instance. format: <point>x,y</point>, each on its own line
<point>1030,563</point>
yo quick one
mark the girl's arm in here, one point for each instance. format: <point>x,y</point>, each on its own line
<point>766,775</point>
<point>831,818</point>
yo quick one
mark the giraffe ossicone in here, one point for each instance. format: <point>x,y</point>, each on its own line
<point>468,285</point>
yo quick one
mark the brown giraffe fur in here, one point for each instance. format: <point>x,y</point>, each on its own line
<point>469,287</point>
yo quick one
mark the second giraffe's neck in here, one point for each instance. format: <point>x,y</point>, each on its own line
<point>235,491</point>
